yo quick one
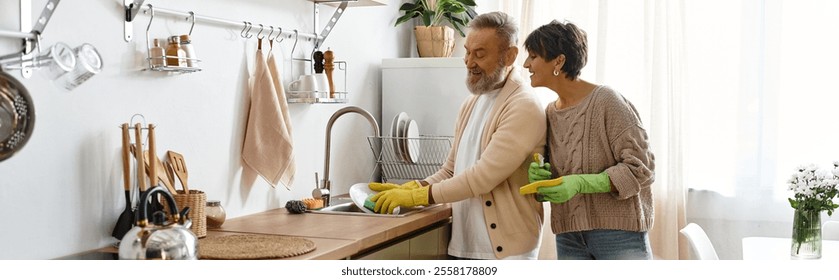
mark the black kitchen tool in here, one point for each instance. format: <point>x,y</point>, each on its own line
<point>126,219</point>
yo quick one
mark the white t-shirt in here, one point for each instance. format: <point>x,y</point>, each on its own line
<point>470,238</point>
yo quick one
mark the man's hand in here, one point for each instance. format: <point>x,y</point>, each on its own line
<point>380,187</point>
<point>388,200</point>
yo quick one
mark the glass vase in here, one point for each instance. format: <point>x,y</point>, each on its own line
<point>806,235</point>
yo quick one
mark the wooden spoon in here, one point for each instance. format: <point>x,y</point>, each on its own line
<point>164,172</point>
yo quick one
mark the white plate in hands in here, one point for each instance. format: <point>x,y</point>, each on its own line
<point>359,192</point>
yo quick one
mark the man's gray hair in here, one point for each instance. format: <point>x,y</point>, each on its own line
<point>505,26</point>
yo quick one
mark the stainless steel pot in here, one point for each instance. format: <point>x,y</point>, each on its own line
<point>159,240</point>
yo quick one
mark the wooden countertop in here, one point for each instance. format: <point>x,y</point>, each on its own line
<point>367,232</point>
<point>326,249</point>
<point>335,236</point>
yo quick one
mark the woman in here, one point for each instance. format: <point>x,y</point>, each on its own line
<point>601,202</point>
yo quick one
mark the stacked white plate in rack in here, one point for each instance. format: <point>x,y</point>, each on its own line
<point>405,133</point>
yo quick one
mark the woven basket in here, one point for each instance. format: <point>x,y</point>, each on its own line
<point>434,41</point>
<point>197,201</point>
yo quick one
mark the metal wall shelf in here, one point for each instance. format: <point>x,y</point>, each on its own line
<point>133,7</point>
<point>31,39</point>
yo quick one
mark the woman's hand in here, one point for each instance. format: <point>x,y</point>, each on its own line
<point>538,173</point>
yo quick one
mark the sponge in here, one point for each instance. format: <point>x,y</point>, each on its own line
<point>369,204</point>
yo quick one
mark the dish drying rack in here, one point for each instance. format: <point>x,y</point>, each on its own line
<point>167,68</point>
<point>397,164</point>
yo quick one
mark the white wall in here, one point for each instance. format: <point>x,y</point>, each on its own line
<point>62,193</point>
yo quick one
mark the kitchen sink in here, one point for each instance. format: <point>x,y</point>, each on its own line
<point>350,208</point>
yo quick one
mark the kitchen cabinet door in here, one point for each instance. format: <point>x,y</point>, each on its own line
<point>432,244</point>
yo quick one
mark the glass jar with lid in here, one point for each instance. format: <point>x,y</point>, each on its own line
<point>189,51</point>
<point>215,214</point>
<point>175,55</point>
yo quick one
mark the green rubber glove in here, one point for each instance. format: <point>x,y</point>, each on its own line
<point>380,187</point>
<point>388,200</point>
<point>538,173</point>
<point>564,188</point>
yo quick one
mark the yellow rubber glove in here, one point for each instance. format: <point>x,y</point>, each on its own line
<point>380,187</point>
<point>388,200</point>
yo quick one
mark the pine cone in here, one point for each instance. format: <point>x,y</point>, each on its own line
<point>295,206</point>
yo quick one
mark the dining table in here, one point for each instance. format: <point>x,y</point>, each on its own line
<point>778,248</point>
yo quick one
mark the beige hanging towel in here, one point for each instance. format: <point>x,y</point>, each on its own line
<point>288,174</point>
<point>267,148</point>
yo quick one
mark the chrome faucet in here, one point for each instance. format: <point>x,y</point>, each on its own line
<point>325,183</point>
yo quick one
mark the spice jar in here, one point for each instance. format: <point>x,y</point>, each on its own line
<point>186,45</point>
<point>175,55</point>
<point>215,214</point>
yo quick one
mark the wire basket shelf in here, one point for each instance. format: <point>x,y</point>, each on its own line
<point>403,158</point>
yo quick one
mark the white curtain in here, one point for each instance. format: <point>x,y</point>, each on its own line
<point>760,80</point>
<point>637,48</point>
<point>734,95</point>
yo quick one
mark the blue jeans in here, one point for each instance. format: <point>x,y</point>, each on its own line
<point>603,244</point>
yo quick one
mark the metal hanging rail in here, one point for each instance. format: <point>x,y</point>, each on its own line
<point>208,19</point>
<point>13,34</point>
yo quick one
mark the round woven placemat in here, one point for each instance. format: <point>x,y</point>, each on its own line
<point>253,246</point>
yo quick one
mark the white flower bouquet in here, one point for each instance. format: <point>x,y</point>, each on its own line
<point>814,189</point>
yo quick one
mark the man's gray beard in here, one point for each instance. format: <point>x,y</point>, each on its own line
<point>489,82</point>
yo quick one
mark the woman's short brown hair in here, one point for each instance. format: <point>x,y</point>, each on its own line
<point>555,38</point>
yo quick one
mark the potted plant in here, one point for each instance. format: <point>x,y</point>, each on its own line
<point>433,38</point>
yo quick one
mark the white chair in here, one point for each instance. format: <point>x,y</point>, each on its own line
<point>699,242</point>
<point>830,230</point>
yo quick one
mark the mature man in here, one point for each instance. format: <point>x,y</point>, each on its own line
<point>499,126</point>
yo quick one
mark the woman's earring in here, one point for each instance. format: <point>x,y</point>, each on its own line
<point>556,73</point>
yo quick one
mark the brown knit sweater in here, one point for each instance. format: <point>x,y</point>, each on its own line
<point>602,132</point>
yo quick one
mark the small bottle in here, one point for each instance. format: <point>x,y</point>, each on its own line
<point>174,53</point>
<point>157,54</point>
<point>215,214</point>
<point>186,45</point>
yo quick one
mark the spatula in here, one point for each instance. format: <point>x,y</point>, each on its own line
<point>126,219</point>
<point>179,166</point>
<point>162,174</point>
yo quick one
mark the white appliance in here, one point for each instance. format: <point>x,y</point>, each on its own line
<point>429,90</point>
